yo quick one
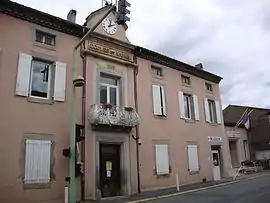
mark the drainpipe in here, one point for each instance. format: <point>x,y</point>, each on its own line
<point>83,131</point>
<point>135,73</point>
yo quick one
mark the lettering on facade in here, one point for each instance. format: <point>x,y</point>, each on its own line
<point>233,134</point>
<point>215,139</point>
<point>110,51</point>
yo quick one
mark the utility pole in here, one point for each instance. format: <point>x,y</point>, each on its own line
<point>72,119</point>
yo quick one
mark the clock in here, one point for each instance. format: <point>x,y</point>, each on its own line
<point>109,26</point>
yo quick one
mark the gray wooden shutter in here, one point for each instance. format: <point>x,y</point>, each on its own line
<point>181,104</point>
<point>156,100</point>
<point>162,159</point>
<point>193,161</point>
<point>60,81</point>
<point>196,107</point>
<point>37,161</point>
<point>218,111</point>
<point>23,74</point>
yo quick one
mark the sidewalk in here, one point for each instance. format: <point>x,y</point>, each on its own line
<point>184,188</point>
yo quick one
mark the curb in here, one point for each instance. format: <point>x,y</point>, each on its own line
<point>194,190</point>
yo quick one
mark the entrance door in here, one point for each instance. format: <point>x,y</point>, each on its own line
<point>216,164</point>
<point>110,181</point>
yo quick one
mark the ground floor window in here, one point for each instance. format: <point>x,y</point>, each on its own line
<point>37,161</point>
<point>162,159</point>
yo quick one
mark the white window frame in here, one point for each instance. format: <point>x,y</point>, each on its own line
<point>155,70</point>
<point>161,101</point>
<point>212,111</point>
<point>49,79</point>
<point>158,159</point>
<point>108,86</point>
<point>33,174</point>
<point>188,102</point>
<point>193,167</point>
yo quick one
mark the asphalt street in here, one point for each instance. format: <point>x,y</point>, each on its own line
<point>247,191</point>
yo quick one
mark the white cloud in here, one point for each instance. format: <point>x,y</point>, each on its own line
<point>231,38</point>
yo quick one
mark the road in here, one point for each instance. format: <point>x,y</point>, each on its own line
<point>247,191</point>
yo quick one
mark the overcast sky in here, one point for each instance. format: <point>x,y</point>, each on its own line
<point>230,37</point>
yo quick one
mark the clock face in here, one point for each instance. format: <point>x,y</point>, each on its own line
<point>109,26</point>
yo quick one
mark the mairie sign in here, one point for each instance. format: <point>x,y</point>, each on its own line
<point>215,139</point>
<point>93,46</point>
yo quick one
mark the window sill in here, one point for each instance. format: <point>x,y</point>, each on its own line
<point>157,77</point>
<point>189,120</point>
<point>160,117</point>
<point>186,85</point>
<point>194,172</point>
<point>209,92</point>
<point>163,175</point>
<point>214,124</point>
<point>45,46</point>
<point>37,185</point>
<point>41,101</point>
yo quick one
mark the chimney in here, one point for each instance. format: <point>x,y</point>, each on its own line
<point>71,17</point>
<point>199,65</point>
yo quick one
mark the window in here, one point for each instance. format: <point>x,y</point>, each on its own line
<point>193,161</point>
<point>156,71</point>
<point>162,159</point>
<point>189,107</point>
<point>209,87</point>
<point>34,79</point>
<point>185,80</point>
<point>45,38</point>
<point>37,169</point>
<point>159,100</point>
<point>40,79</point>
<point>109,89</point>
<point>187,103</point>
<point>212,111</point>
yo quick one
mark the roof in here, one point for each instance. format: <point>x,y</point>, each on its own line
<point>175,64</point>
<point>37,17</point>
<point>233,113</point>
<point>34,16</point>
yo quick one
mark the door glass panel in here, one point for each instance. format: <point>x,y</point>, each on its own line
<point>103,94</point>
<point>215,159</point>
<point>113,95</point>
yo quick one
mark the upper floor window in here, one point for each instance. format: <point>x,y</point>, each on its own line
<point>212,111</point>
<point>156,71</point>
<point>109,89</point>
<point>189,108</point>
<point>40,79</point>
<point>159,105</point>
<point>187,103</point>
<point>45,38</point>
<point>209,87</point>
<point>185,80</point>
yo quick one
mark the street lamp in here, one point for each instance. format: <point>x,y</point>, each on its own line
<point>77,82</point>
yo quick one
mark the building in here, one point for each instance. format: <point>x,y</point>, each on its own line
<point>176,105</point>
<point>253,143</point>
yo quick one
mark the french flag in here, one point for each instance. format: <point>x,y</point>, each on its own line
<point>246,120</point>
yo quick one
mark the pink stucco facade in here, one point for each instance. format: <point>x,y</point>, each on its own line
<point>23,118</point>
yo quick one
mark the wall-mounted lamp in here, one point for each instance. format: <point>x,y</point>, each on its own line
<point>79,82</point>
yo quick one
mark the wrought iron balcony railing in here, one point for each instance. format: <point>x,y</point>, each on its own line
<point>107,114</point>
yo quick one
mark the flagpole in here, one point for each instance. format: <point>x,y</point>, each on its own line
<point>240,120</point>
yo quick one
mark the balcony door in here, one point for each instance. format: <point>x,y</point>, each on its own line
<point>109,89</point>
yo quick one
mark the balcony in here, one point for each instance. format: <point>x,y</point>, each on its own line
<point>113,116</point>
